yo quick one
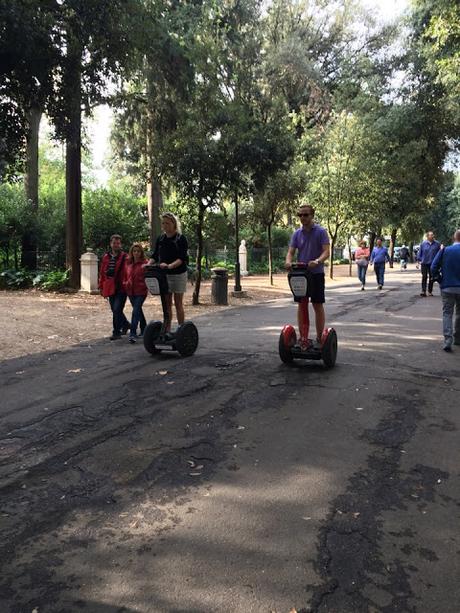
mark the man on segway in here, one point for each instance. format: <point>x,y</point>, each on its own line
<point>312,244</point>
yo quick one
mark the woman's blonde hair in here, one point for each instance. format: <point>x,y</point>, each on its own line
<point>174,219</point>
<point>136,246</point>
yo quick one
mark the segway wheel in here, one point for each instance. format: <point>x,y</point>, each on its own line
<point>151,335</point>
<point>287,341</point>
<point>186,339</point>
<point>329,347</point>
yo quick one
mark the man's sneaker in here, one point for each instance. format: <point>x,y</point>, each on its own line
<point>316,344</point>
<point>447,347</point>
<point>125,328</point>
<point>362,289</point>
<point>380,286</point>
<point>132,339</point>
<point>423,294</point>
<point>430,293</point>
<point>115,337</point>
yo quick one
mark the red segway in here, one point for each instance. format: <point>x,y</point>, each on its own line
<point>289,348</point>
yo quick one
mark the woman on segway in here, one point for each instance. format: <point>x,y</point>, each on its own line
<point>171,254</point>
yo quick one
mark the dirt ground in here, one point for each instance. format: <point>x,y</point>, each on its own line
<point>34,321</point>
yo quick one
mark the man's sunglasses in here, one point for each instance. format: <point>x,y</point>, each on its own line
<point>303,214</point>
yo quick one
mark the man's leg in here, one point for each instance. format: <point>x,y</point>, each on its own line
<point>320,319</point>
<point>114,320</point>
<point>457,320</point>
<point>430,281</point>
<point>121,324</point>
<point>424,277</point>
<point>124,323</point>
<point>448,303</point>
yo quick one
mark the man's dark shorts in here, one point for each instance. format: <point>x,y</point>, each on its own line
<point>315,289</point>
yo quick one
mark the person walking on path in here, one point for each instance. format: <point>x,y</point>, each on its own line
<point>171,253</point>
<point>425,257</point>
<point>135,288</point>
<point>362,262</point>
<point>379,257</point>
<point>447,262</point>
<point>404,257</point>
<point>111,277</point>
<point>312,244</point>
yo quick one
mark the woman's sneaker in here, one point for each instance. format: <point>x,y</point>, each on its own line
<point>132,339</point>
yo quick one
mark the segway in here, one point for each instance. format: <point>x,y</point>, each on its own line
<point>289,348</point>
<point>156,337</point>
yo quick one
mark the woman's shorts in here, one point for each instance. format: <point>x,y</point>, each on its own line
<point>177,283</point>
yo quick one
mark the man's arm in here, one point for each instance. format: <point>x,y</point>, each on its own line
<point>436,263</point>
<point>289,256</point>
<point>420,253</point>
<point>324,255</point>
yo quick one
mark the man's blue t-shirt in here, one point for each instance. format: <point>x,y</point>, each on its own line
<point>309,245</point>
<point>379,255</point>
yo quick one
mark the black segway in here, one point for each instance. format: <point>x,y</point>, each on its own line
<point>289,348</point>
<point>156,338</point>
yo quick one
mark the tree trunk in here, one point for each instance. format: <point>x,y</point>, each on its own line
<point>154,206</point>
<point>411,251</point>
<point>372,241</point>
<point>331,261</point>
<point>74,238</point>
<point>199,253</point>
<point>29,239</point>
<point>270,253</point>
<point>350,262</point>
<point>394,231</point>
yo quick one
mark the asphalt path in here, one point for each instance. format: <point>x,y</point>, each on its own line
<point>230,482</point>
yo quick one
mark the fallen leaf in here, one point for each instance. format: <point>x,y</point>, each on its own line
<point>75,370</point>
<point>162,372</point>
<point>359,409</point>
<point>191,462</point>
<point>19,372</point>
<point>195,474</point>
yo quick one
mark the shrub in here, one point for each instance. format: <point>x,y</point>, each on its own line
<point>16,279</point>
<point>51,281</point>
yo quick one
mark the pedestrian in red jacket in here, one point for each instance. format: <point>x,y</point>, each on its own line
<point>135,287</point>
<point>111,277</point>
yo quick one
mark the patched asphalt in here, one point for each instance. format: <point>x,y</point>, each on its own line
<point>231,482</point>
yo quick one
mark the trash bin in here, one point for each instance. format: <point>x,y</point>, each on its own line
<point>219,286</point>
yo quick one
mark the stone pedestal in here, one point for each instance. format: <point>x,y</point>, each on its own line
<point>243,257</point>
<point>89,273</point>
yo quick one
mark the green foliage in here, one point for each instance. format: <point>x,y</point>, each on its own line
<point>107,212</point>
<point>51,281</point>
<point>15,219</point>
<point>16,279</point>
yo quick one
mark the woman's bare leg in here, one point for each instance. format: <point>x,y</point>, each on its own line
<point>179,304</point>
